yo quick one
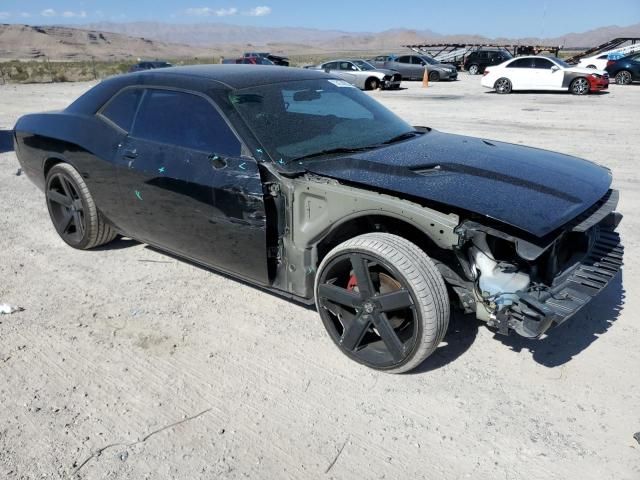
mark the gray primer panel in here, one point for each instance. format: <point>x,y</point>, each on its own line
<point>315,206</point>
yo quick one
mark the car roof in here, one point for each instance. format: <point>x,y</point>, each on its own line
<point>238,76</point>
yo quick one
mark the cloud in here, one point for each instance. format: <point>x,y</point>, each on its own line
<point>5,14</point>
<point>25,14</point>
<point>69,14</point>
<point>49,12</point>
<point>211,12</point>
<point>259,11</point>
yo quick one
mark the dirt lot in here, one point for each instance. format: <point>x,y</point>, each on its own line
<point>126,363</point>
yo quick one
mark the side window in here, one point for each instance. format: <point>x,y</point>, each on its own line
<point>520,63</point>
<point>416,60</point>
<point>326,103</point>
<point>405,59</point>
<point>347,66</point>
<point>122,108</point>
<point>331,65</point>
<point>186,120</point>
<point>483,55</point>
<point>602,57</point>
<point>542,63</point>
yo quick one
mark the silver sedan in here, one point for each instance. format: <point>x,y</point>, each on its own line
<point>362,74</point>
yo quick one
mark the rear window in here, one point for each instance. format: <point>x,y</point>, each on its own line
<point>122,108</point>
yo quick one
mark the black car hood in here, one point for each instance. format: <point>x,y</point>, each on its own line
<point>536,191</point>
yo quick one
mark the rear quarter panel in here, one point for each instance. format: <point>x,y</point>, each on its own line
<point>84,141</point>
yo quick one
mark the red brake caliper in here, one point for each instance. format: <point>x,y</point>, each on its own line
<point>353,283</point>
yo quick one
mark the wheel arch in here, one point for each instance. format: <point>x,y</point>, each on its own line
<point>368,222</point>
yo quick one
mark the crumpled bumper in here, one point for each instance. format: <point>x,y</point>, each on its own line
<point>535,312</point>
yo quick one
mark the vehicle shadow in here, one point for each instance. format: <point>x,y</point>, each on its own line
<point>461,334</point>
<point>550,92</point>
<point>118,244</point>
<point>566,341</point>
<point>6,141</point>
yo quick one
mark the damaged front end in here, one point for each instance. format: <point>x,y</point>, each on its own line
<point>527,286</point>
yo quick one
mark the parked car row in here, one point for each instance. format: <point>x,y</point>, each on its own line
<point>362,74</point>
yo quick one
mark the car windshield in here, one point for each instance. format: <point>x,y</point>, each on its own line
<point>429,60</point>
<point>560,62</point>
<point>294,120</point>
<point>363,65</point>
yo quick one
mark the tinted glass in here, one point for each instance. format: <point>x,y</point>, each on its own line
<point>295,119</point>
<point>185,120</point>
<point>405,59</point>
<point>520,63</point>
<point>122,108</point>
<point>542,63</point>
<point>347,66</point>
<point>331,65</point>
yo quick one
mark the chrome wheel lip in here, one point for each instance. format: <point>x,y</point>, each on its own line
<point>369,311</point>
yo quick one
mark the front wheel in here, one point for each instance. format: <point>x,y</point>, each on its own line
<point>73,211</point>
<point>580,86</point>
<point>623,77</point>
<point>503,85</point>
<point>434,77</point>
<point>474,69</point>
<point>382,301</point>
<point>372,84</point>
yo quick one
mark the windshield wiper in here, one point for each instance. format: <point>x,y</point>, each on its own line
<point>336,150</point>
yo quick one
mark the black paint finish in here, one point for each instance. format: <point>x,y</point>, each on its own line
<point>534,190</point>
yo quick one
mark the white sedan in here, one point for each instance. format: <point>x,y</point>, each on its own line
<point>543,73</point>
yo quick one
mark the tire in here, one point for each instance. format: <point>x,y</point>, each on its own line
<point>503,86</point>
<point>623,77</point>
<point>434,77</point>
<point>72,210</point>
<point>579,86</point>
<point>382,301</point>
<point>474,69</point>
<point>372,84</point>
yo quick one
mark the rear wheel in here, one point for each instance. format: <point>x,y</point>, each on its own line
<point>382,301</point>
<point>73,211</point>
<point>372,84</point>
<point>474,69</point>
<point>434,77</point>
<point>623,77</point>
<point>580,86</point>
<point>503,85</point>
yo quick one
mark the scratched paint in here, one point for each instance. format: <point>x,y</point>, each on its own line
<point>243,166</point>
<point>161,170</point>
<point>138,194</point>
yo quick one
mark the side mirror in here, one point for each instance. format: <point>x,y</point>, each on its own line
<point>555,68</point>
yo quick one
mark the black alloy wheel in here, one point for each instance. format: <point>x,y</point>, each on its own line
<point>368,303</point>
<point>72,209</point>
<point>66,208</point>
<point>373,84</point>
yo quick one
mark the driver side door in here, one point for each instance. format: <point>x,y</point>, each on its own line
<point>188,189</point>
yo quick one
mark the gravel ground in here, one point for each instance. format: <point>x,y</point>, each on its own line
<point>127,363</point>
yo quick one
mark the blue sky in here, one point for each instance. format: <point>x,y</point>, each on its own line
<point>516,18</point>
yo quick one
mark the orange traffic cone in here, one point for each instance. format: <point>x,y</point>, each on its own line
<point>425,78</point>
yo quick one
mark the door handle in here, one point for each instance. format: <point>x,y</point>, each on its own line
<point>130,153</point>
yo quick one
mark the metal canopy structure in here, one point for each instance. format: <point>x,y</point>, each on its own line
<point>616,45</point>
<point>455,53</point>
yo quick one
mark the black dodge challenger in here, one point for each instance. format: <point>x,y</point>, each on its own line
<point>297,182</point>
